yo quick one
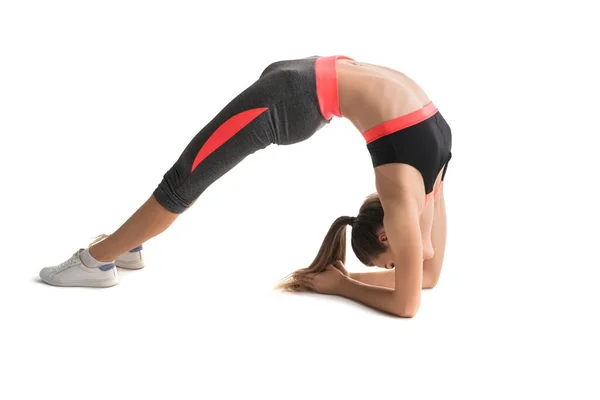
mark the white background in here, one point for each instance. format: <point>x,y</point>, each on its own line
<point>98,99</point>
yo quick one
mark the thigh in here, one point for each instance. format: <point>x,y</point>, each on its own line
<point>273,110</point>
<point>432,267</point>
<point>426,225</point>
<point>214,152</point>
<point>428,215</point>
<point>240,129</point>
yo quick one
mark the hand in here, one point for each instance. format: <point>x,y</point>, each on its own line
<point>326,282</point>
<point>340,265</point>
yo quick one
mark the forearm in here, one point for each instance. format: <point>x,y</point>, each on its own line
<point>387,278</point>
<point>380,278</point>
<point>381,298</point>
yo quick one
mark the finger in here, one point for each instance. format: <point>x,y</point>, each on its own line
<point>301,276</point>
<point>309,281</point>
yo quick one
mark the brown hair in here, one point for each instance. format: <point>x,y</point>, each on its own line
<point>364,241</point>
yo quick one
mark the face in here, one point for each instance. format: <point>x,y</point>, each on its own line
<point>386,259</point>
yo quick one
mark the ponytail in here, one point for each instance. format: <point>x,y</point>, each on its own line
<point>332,249</point>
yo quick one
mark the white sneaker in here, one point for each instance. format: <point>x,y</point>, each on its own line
<point>72,272</point>
<point>133,259</point>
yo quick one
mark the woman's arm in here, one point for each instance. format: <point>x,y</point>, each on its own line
<point>401,224</point>
<point>433,266</point>
<point>379,278</point>
<point>387,278</point>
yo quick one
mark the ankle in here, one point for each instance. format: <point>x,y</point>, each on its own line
<point>91,259</point>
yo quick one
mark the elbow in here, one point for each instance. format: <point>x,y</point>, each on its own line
<point>408,310</point>
<point>430,277</point>
<point>429,283</point>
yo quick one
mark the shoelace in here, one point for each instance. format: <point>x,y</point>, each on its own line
<point>69,263</point>
<point>75,257</point>
<point>98,238</point>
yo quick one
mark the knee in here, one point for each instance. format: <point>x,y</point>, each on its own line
<point>171,196</point>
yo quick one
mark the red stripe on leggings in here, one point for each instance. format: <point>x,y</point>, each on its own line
<point>225,132</point>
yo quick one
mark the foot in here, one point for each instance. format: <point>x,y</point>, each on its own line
<point>73,272</point>
<point>133,259</point>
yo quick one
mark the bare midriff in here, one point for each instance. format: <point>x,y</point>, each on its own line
<point>370,94</point>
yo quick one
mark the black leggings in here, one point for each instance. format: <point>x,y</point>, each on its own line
<point>281,107</point>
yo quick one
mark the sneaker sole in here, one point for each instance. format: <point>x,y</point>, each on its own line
<point>96,284</point>
<point>138,264</point>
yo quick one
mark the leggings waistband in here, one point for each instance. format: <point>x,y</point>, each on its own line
<point>327,86</point>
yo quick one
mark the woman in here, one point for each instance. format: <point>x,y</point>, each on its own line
<point>403,227</point>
